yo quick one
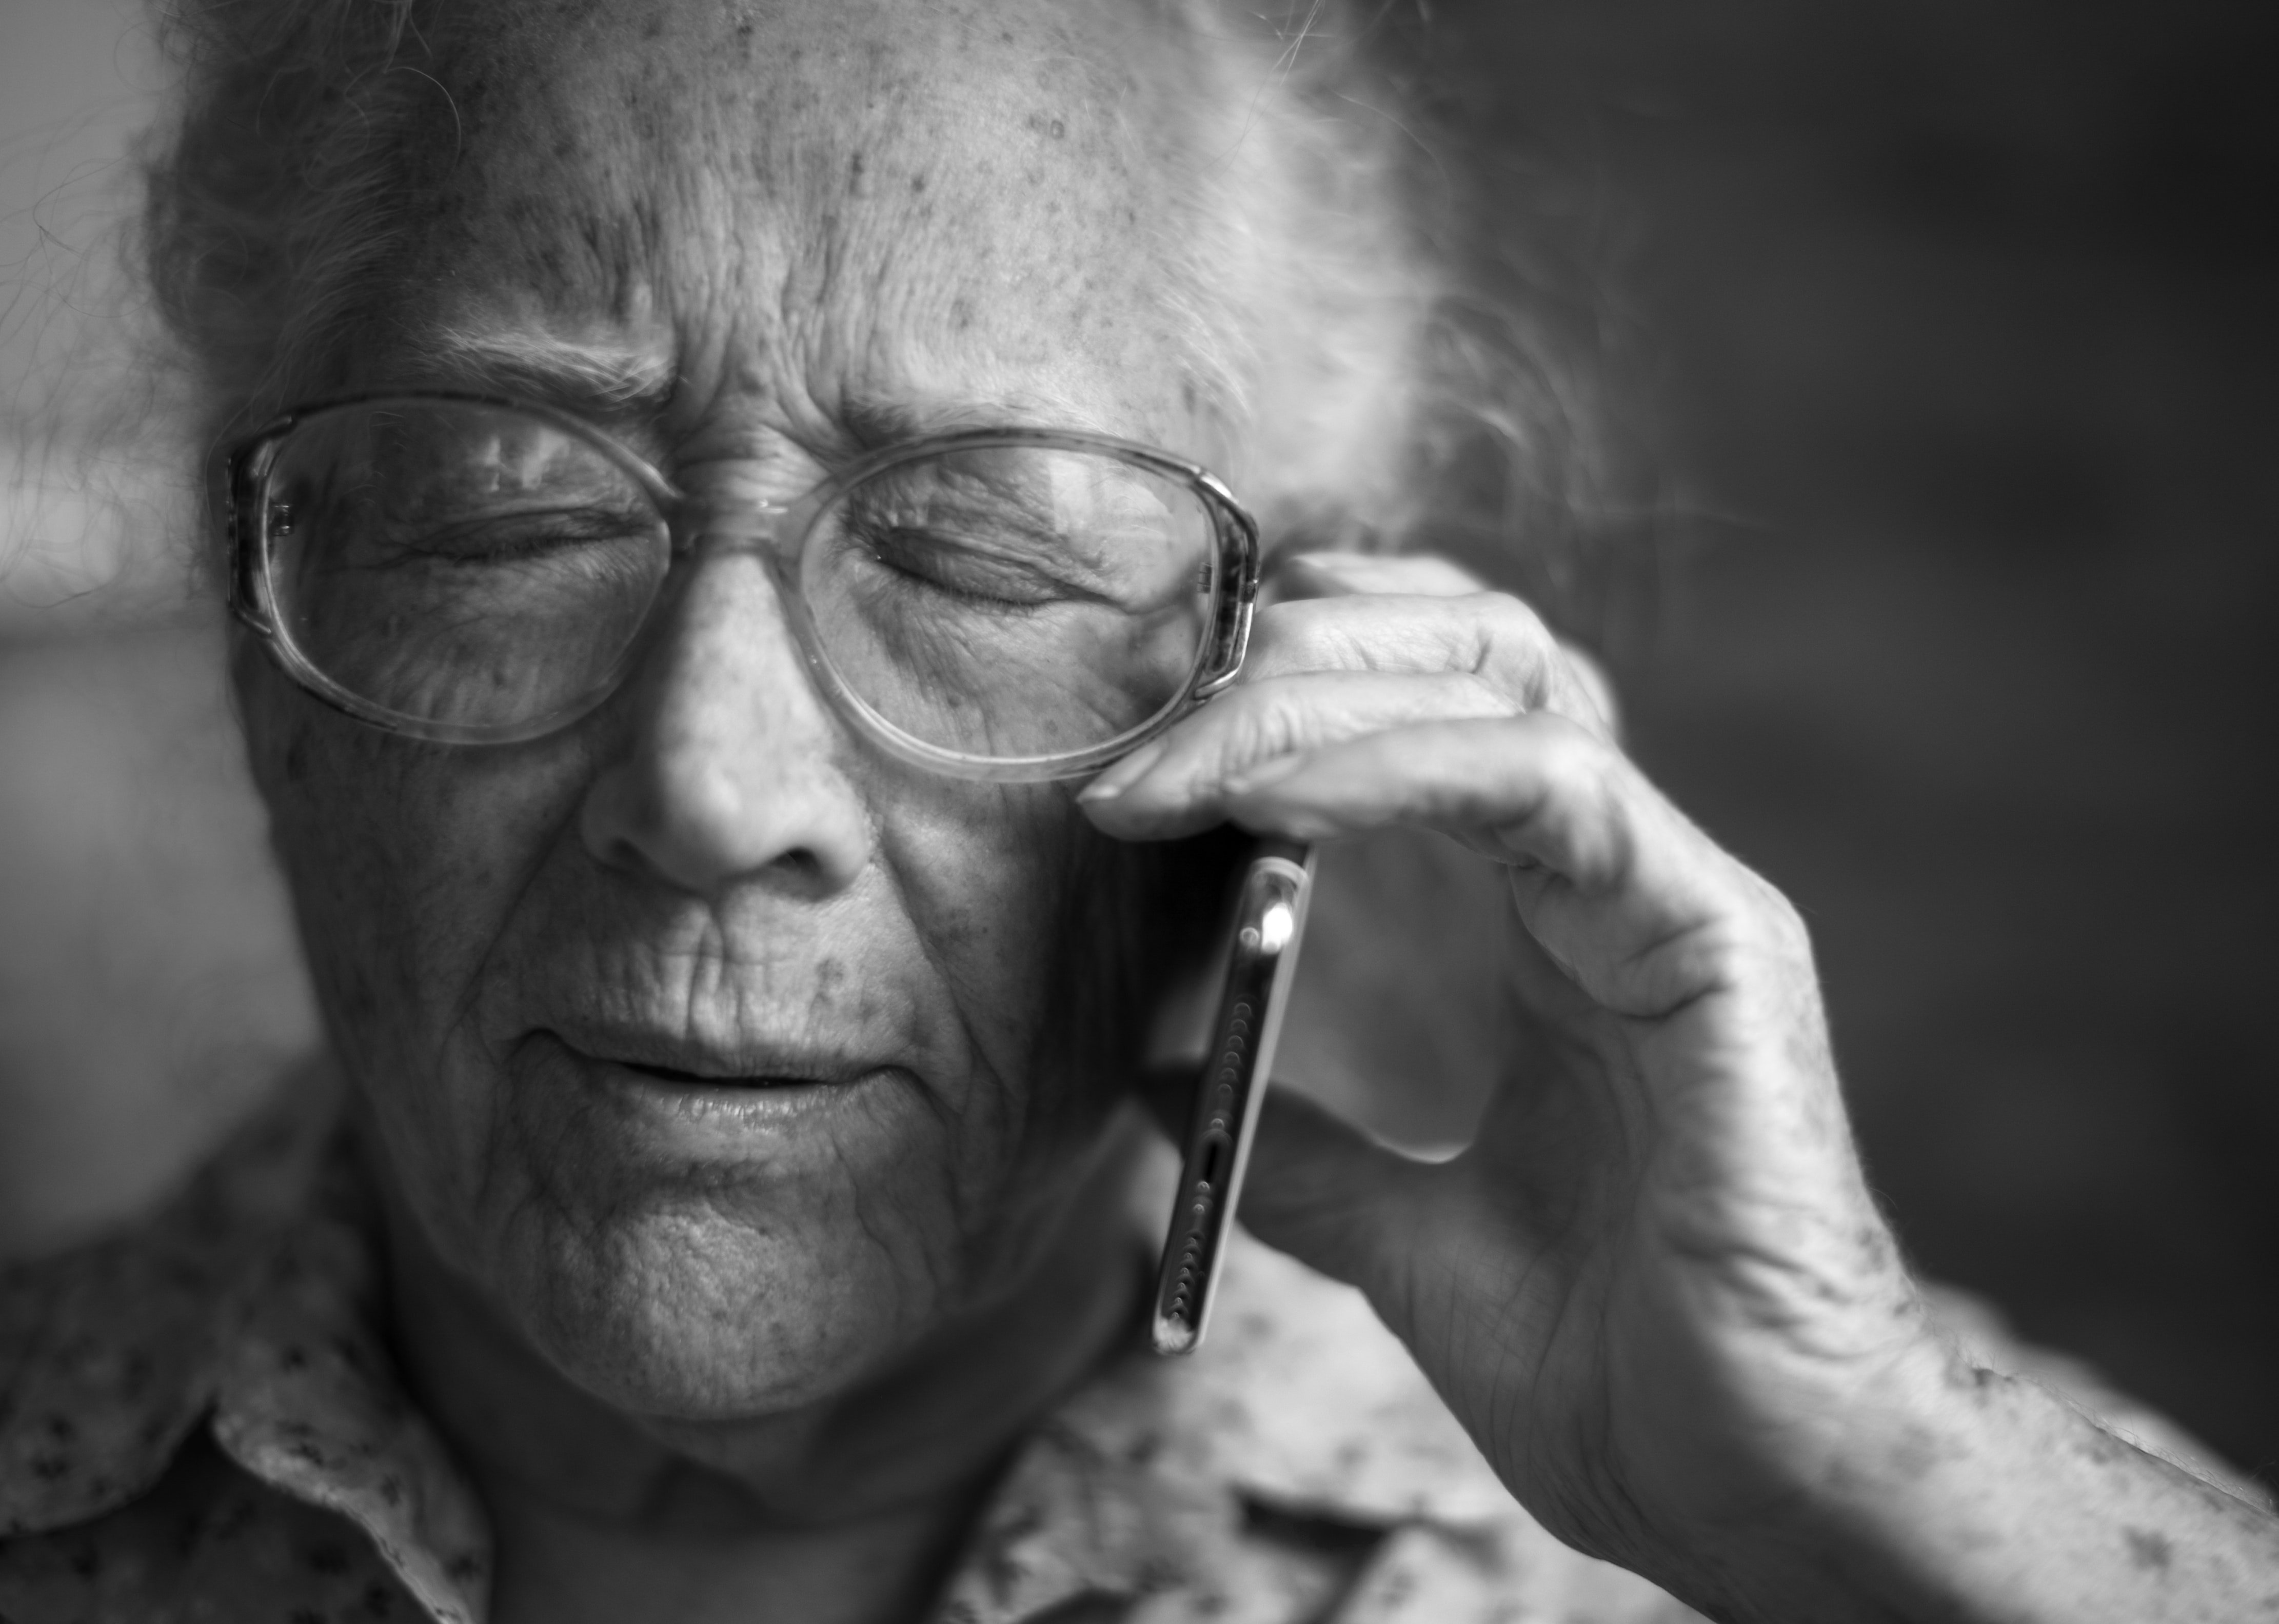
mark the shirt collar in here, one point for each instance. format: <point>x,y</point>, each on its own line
<point>1299,1403</point>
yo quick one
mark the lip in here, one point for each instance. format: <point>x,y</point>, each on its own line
<point>671,1060</point>
<point>686,1089</point>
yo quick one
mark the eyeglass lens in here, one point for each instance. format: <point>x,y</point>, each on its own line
<point>470,569</point>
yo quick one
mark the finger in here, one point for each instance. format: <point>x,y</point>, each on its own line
<point>1420,575</point>
<point>1629,897</point>
<point>1492,636</point>
<point>1176,784</point>
<point>1304,575</point>
<point>1325,1193</point>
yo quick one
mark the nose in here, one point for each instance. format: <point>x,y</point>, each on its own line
<point>729,774</point>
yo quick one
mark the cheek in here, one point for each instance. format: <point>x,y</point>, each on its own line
<point>403,870</point>
<point>404,862</point>
<point>989,879</point>
<point>983,875</point>
<point>1055,942</point>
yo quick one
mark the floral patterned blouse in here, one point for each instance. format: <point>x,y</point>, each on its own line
<point>200,1420</point>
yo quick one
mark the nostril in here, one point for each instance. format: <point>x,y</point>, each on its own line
<point>621,855</point>
<point>693,838</point>
<point>802,871</point>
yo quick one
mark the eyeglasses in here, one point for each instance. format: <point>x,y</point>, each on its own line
<point>1009,604</point>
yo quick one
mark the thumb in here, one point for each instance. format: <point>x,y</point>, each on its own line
<point>1323,1192</point>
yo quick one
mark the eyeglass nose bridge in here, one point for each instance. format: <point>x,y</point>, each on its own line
<point>765,531</point>
<point>714,528</point>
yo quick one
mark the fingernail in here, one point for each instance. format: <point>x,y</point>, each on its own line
<point>1124,774</point>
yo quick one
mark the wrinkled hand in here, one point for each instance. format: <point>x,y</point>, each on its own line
<point>1654,1289</point>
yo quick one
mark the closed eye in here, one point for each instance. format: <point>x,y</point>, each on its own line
<point>998,575</point>
<point>504,537</point>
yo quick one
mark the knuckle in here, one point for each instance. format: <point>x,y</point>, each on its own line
<point>1783,922</point>
<point>1591,681</point>
<point>1569,758</point>
<point>1585,798</point>
<point>1510,638</point>
<point>1765,928</point>
<point>1512,618</point>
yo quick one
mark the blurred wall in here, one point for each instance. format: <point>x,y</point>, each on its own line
<point>1969,319</point>
<point>83,505</point>
<point>1967,324</point>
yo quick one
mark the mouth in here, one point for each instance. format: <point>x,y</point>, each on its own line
<point>698,1094</point>
<point>675,1076</point>
<point>670,1060</point>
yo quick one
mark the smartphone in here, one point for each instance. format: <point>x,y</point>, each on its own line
<point>1269,921</point>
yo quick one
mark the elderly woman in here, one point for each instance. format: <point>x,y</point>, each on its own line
<point>745,660</point>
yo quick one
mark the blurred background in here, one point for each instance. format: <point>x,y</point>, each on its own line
<point>1965,320</point>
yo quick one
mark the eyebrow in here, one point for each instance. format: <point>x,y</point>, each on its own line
<point>603,378</point>
<point>622,382</point>
<point>877,421</point>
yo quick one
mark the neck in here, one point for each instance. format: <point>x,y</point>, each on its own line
<point>846,1510</point>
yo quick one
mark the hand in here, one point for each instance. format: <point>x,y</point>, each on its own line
<point>1654,1289</point>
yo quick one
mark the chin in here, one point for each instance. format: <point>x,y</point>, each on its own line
<point>691,1304</point>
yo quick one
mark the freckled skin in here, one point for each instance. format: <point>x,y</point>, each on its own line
<point>887,199</point>
<point>813,216</point>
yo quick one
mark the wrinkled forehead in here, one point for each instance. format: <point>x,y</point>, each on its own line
<point>823,198</point>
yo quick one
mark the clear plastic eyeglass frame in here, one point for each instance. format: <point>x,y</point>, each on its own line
<point>775,532</point>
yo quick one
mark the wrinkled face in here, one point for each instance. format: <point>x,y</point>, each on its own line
<point>726,1056</point>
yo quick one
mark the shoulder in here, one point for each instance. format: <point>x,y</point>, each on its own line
<point>110,1352</point>
<point>143,1388</point>
<point>206,1541</point>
